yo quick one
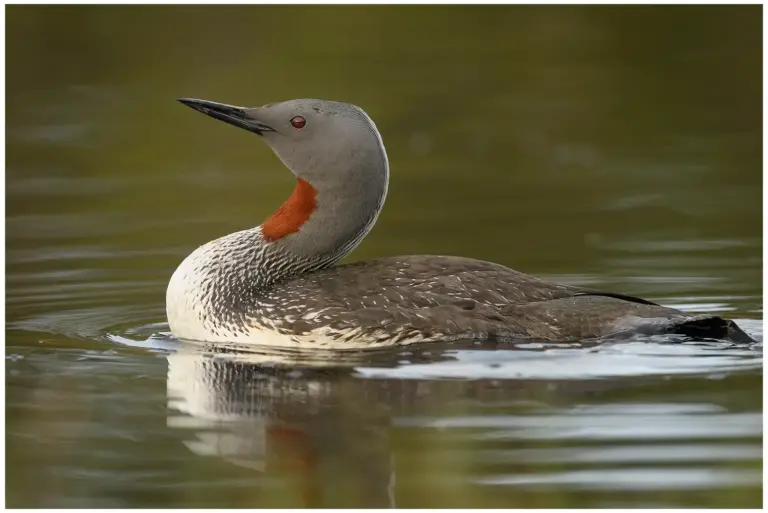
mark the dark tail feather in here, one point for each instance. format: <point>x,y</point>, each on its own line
<point>709,327</point>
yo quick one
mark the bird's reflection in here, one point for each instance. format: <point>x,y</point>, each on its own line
<point>287,414</point>
<point>311,419</point>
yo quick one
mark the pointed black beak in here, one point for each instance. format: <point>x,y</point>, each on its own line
<point>238,116</point>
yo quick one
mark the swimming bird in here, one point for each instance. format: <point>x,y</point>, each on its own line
<point>277,284</point>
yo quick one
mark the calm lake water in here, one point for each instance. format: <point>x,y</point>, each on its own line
<point>618,148</point>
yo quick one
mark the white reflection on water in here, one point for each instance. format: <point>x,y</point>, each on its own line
<point>632,479</point>
<point>626,453</point>
<point>568,425</point>
<point>638,358</point>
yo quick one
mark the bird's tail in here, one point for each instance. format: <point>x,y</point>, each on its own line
<point>709,326</point>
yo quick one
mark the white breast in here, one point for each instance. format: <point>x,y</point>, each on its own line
<point>183,303</point>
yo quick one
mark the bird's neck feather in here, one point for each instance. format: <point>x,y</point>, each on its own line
<point>319,225</point>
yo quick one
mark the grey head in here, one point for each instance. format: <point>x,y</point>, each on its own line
<point>336,149</point>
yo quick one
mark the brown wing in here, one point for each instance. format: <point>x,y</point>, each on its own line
<point>397,298</point>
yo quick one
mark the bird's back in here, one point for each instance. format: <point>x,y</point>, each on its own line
<point>408,299</point>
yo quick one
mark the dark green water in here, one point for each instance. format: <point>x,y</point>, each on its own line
<point>614,147</point>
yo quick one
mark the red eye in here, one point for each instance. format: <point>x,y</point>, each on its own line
<point>298,122</point>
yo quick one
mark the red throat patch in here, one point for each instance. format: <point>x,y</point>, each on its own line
<point>292,214</point>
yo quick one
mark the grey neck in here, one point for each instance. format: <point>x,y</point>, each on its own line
<point>343,217</point>
<point>346,210</point>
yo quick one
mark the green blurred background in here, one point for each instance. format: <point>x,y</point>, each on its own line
<point>618,147</point>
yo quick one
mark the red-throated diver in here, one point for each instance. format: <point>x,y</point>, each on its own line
<point>276,284</point>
